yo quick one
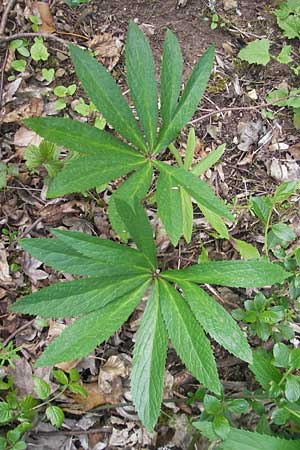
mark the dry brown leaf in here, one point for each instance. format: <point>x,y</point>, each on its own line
<point>33,108</point>
<point>9,60</point>
<point>294,150</point>
<point>283,170</point>
<point>230,4</point>
<point>108,48</point>
<point>249,134</point>
<point>95,397</point>
<point>11,90</point>
<point>115,367</point>
<point>5,278</point>
<point>30,267</point>
<point>25,137</point>
<point>47,22</point>
<point>22,375</point>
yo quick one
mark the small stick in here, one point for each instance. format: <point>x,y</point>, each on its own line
<point>30,35</point>
<point>241,108</point>
<point>9,6</point>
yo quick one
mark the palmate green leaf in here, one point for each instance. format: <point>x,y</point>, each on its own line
<point>189,100</point>
<point>187,214</point>
<point>190,149</point>
<point>76,136</point>
<point>197,188</point>
<point>73,298</point>
<point>216,321</point>
<point>207,162</point>
<point>73,249</point>
<point>169,206</point>
<point>246,440</point>
<point>80,338</point>
<point>249,440</point>
<point>103,249</point>
<point>140,73</point>
<point>91,171</point>
<point>149,356</point>
<point>246,250</point>
<point>231,273</point>
<point>139,228</point>
<point>106,96</point>
<point>170,77</point>
<point>263,369</point>
<point>188,338</point>
<point>215,221</point>
<point>62,257</point>
<point>136,186</point>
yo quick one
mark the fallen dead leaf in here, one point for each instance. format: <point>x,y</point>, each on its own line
<point>9,59</point>
<point>283,170</point>
<point>115,367</point>
<point>22,375</point>
<point>109,388</point>
<point>24,137</point>
<point>95,397</point>
<point>108,48</point>
<point>5,278</point>
<point>44,12</point>
<point>30,267</point>
<point>230,4</point>
<point>249,134</point>
<point>33,108</point>
<point>294,150</point>
<point>12,88</point>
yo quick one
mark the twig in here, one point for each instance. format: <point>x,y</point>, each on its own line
<point>22,328</point>
<point>31,227</point>
<point>30,35</point>
<point>2,77</point>
<point>9,6</point>
<point>72,432</point>
<point>242,108</point>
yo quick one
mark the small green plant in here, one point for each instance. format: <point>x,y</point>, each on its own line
<point>118,277</point>
<point>104,157</point>
<point>48,74</point>
<point>219,412</point>
<point>214,21</point>
<point>35,23</point>
<point>8,354</point>
<point>262,315</point>
<point>18,414</point>
<point>21,46</point>
<point>288,18</point>
<point>19,65</point>
<point>263,207</point>
<point>7,170</point>
<point>289,98</point>
<point>11,235</point>
<point>45,155</point>
<point>38,50</point>
<point>83,108</point>
<point>63,92</point>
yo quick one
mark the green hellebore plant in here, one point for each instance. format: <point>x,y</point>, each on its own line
<point>117,277</point>
<point>104,157</point>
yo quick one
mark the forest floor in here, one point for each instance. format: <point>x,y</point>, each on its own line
<point>260,153</point>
